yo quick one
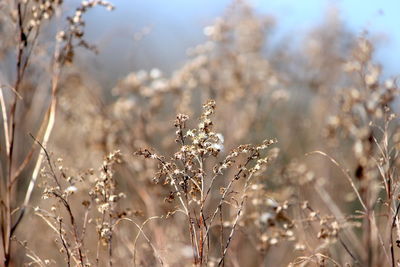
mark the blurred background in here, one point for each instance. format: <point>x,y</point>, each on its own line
<point>148,34</point>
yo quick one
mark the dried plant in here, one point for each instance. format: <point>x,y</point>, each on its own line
<point>28,18</point>
<point>194,187</point>
<point>326,195</point>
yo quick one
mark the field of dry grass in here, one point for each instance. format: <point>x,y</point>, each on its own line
<point>247,155</point>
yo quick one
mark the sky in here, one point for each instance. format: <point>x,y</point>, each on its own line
<point>380,18</point>
<point>176,25</point>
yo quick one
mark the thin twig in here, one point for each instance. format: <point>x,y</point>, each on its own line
<point>391,235</point>
<point>5,121</point>
<point>140,228</point>
<point>347,175</point>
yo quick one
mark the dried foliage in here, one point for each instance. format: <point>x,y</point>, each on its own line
<point>173,191</point>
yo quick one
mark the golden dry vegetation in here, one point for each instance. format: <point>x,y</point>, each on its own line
<point>247,155</point>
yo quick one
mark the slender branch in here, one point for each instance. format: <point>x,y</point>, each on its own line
<point>5,121</point>
<point>346,174</point>
<point>391,235</point>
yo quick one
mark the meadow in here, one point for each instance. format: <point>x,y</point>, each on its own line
<point>247,155</point>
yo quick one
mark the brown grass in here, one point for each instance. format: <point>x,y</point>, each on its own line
<point>137,180</point>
